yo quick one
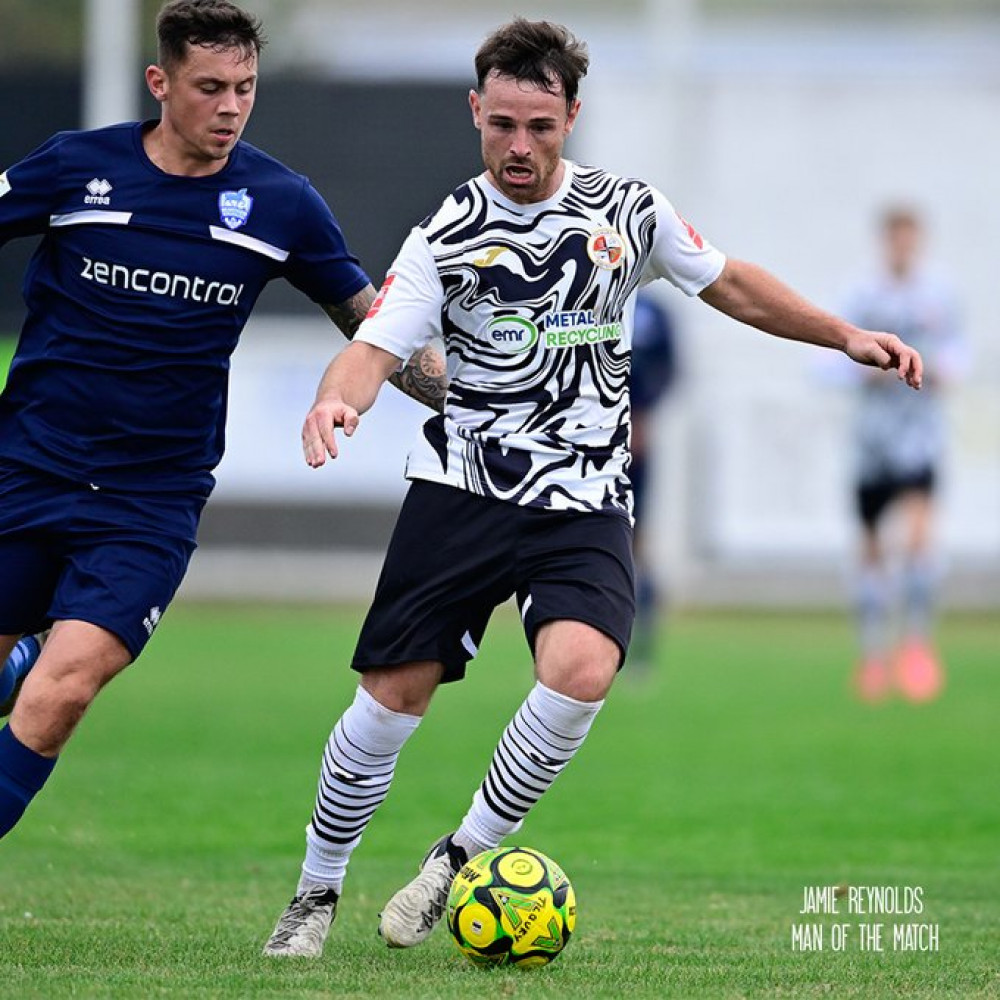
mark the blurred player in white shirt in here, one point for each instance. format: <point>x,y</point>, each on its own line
<point>899,445</point>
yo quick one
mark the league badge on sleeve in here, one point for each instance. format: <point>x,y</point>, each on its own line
<point>234,207</point>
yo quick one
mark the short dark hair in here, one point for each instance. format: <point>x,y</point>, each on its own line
<point>537,52</point>
<point>900,215</point>
<point>216,23</point>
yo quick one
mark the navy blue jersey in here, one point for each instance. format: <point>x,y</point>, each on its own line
<point>137,296</point>
<point>654,357</point>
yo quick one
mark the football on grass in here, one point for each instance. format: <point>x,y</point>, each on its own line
<point>511,906</point>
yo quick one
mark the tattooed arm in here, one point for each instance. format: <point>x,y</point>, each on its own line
<point>423,377</point>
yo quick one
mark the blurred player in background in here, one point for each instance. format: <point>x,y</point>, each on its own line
<point>653,377</point>
<point>529,272</point>
<point>158,238</point>
<point>900,440</point>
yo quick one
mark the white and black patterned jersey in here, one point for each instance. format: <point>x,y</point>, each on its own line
<point>898,432</point>
<point>534,304</point>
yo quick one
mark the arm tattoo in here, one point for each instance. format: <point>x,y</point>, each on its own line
<point>348,315</point>
<point>423,377</point>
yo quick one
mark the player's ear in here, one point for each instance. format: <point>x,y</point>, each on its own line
<point>156,80</point>
<point>477,108</point>
<point>574,110</point>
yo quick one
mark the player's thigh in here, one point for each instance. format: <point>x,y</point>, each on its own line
<point>578,568</point>
<point>77,660</point>
<point>916,502</point>
<point>448,565</point>
<point>77,652</point>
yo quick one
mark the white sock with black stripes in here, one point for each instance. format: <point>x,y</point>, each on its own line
<point>358,765</point>
<point>537,744</point>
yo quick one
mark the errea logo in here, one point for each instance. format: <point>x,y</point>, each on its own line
<point>98,189</point>
<point>511,334</point>
<point>152,620</point>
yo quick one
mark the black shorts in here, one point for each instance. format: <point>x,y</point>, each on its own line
<point>874,496</point>
<point>455,556</point>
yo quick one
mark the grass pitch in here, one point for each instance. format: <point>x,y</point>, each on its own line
<point>709,794</point>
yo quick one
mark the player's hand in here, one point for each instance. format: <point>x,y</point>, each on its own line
<point>318,437</point>
<point>887,351</point>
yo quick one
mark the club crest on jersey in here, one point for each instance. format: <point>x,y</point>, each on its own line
<point>511,334</point>
<point>234,207</point>
<point>606,248</point>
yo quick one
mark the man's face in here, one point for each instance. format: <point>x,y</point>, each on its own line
<point>903,240</point>
<point>523,132</point>
<point>206,101</point>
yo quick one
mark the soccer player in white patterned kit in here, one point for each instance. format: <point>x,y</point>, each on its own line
<point>529,273</point>
<point>899,444</point>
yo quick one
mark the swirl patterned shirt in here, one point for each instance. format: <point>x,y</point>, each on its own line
<point>534,304</point>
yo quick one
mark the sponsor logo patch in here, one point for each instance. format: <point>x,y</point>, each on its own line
<point>576,328</point>
<point>234,207</point>
<point>511,334</point>
<point>556,331</point>
<point>606,248</point>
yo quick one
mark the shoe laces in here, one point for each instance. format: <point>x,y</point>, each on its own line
<point>301,908</point>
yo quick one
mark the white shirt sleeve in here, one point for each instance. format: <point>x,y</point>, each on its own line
<point>680,254</point>
<point>406,315</point>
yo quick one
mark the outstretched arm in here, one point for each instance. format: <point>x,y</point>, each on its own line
<point>422,377</point>
<point>752,295</point>
<point>348,389</point>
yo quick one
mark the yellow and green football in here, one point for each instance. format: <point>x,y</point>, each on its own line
<point>511,906</point>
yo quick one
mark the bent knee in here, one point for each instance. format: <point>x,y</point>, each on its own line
<point>406,689</point>
<point>582,684</point>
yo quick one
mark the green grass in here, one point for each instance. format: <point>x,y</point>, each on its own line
<point>708,796</point>
<point>7,345</point>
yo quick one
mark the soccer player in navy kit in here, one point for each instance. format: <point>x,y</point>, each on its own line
<point>520,488</point>
<point>157,240</point>
<point>653,376</point>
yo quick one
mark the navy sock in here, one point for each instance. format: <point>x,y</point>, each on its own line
<point>21,660</point>
<point>22,775</point>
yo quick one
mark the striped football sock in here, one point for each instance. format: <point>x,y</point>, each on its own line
<point>358,765</point>
<point>537,744</point>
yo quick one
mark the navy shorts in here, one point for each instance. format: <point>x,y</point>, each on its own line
<point>70,551</point>
<point>455,556</point>
<point>875,496</point>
